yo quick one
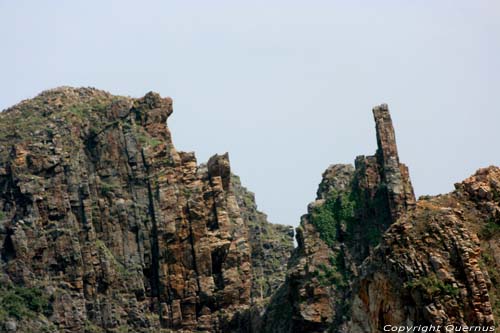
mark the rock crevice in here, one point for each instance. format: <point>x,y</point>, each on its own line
<point>106,227</point>
<point>121,231</point>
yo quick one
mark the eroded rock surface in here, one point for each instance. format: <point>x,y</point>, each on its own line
<point>369,255</point>
<point>106,227</point>
<point>353,208</point>
<point>438,264</point>
<point>111,229</point>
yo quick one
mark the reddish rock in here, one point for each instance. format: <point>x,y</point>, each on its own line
<point>119,230</point>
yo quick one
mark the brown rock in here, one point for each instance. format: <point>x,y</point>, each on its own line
<point>100,211</point>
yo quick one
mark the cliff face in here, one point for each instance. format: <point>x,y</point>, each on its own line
<point>369,255</point>
<point>104,226</point>
<point>353,208</point>
<point>438,264</point>
<point>272,245</point>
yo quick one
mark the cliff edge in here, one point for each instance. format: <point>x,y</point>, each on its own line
<point>105,226</point>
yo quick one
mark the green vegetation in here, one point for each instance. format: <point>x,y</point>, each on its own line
<point>43,115</point>
<point>108,187</point>
<point>187,192</point>
<point>146,140</point>
<point>50,328</point>
<point>22,126</point>
<point>328,218</point>
<point>378,207</point>
<point>22,302</point>
<point>101,106</point>
<point>80,110</point>
<point>431,286</point>
<point>279,311</point>
<point>119,267</point>
<point>2,215</point>
<point>490,230</point>
<point>488,264</point>
<point>336,217</point>
<point>496,195</point>
<point>373,235</point>
<point>108,254</point>
<point>89,327</point>
<point>330,276</point>
<point>248,200</point>
<point>335,274</point>
<point>84,110</point>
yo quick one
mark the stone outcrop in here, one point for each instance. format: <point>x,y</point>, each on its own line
<point>353,208</point>
<point>430,267</point>
<point>369,255</point>
<point>394,175</point>
<point>104,226</point>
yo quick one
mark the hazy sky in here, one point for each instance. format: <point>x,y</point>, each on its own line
<point>286,87</point>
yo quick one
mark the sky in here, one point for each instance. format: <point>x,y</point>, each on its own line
<point>286,87</point>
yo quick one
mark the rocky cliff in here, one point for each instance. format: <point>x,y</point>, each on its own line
<point>370,257</point>
<point>272,245</point>
<point>439,264</point>
<point>105,227</point>
<point>353,208</point>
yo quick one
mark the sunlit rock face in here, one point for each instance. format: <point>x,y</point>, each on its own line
<point>110,228</point>
<point>106,227</point>
<point>370,256</point>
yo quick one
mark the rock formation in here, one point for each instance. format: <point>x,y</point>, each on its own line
<point>438,264</point>
<point>272,245</point>
<point>104,226</point>
<point>353,208</point>
<point>370,256</point>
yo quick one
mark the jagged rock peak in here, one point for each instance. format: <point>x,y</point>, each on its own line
<point>337,177</point>
<point>218,165</point>
<point>353,209</point>
<point>394,174</point>
<point>386,137</point>
<point>103,219</point>
<point>370,256</point>
<point>438,264</point>
<point>153,101</point>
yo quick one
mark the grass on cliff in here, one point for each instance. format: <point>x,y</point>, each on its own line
<point>328,217</point>
<point>431,286</point>
<point>90,327</point>
<point>491,229</point>
<point>147,140</point>
<point>22,302</point>
<point>336,218</point>
<point>334,274</point>
<point>36,114</point>
<point>107,187</point>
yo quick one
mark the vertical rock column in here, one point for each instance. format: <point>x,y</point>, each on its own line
<point>394,174</point>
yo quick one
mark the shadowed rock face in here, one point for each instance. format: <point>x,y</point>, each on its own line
<point>113,229</point>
